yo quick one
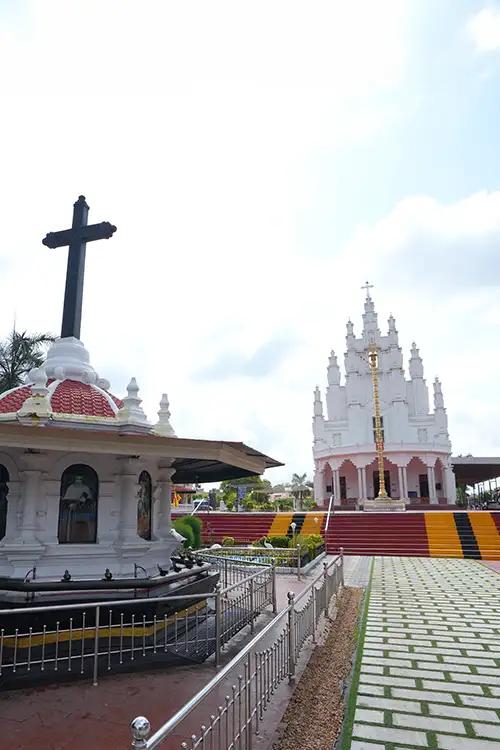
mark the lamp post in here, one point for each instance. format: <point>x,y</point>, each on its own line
<point>293,526</point>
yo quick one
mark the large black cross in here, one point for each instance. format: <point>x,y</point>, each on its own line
<point>77,238</point>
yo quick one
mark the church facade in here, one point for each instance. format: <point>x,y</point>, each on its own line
<point>417,448</point>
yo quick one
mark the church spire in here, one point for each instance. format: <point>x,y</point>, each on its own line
<point>371,330</point>
<point>318,404</point>
<point>333,371</point>
<point>438,395</point>
<point>416,366</point>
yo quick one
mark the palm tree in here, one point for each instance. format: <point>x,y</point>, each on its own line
<point>299,487</point>
<point>19,353</point>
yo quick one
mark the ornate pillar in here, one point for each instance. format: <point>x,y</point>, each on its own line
<point>163,503</point>
<point>128,501</point>
<point>31,495</point>
<point>13,511</point>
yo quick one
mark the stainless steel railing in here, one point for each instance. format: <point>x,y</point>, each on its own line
<point>286,559</point>
<point>101,637</point>
<point>254,675</point>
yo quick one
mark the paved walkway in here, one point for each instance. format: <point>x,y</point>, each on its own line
<point>430,669</point>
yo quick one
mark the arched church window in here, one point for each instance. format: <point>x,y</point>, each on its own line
<point>78,505</point>
<point>144,506</point>
<point>4,491</point>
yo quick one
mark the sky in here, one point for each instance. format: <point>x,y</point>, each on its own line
<point>261,160</point>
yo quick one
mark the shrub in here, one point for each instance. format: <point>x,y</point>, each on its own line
<point>279,541</point>
<point>185,530</point>
<point>228,541</point>
<point>309,543</point>
<point>196,525</point>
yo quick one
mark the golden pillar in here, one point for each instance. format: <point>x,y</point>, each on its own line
<point>379,438</point>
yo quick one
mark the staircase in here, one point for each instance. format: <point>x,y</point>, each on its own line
<point>435,533</point>
<point>473,535</point>
<point>244,527</point>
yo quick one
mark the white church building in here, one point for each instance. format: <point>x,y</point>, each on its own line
<point>417,448</point>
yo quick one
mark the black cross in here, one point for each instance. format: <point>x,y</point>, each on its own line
<point>77,238</point>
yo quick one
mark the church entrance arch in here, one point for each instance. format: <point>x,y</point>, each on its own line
<point>144,506</point>
<point>4,491</point>
<point>78,505</point>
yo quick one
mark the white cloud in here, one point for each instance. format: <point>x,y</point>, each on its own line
<point>484,29</point>
<point>195,127</point>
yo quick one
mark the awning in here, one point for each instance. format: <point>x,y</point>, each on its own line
<point>194,460</point>
<point>472,469</point>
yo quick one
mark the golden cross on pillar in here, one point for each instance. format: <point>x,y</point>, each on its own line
<point>367,286</point>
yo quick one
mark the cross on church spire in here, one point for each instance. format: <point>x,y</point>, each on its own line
<point>367,286</point>
<point>76,238</point>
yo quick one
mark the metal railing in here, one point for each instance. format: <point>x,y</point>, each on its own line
<point>286,559</point>
<point>260,667</point>
<point>102,637</point>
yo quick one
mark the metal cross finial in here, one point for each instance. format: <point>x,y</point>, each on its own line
<point>367,286</point>
<point>76,238</point>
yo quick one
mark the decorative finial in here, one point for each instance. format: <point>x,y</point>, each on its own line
<point>163,426</point>
<point>141,728</point>
<point>131,411</point>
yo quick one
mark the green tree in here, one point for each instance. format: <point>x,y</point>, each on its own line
<point>20,353</point>
<point>254,484</point>
<point>300,488</point>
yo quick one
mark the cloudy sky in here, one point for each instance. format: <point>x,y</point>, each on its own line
<point>261,160</point>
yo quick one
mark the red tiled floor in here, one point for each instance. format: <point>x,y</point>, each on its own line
<point>78,716</point>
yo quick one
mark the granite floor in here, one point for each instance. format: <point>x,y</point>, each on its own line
<point>430,668</point>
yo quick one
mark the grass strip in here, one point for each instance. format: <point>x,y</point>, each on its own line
<point>346,738</point>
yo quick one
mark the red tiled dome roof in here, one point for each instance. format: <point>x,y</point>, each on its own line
<point>67,397</point>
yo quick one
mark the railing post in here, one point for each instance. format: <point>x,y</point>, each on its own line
<point>252,603</point>
<point>298,561</point>
<point>273,586</point>
<point>140,730</point>
<point>225,572</point>
<point>291,636</point>
<point>342,566</point>
<point>313,590</point>
<point>325,581</point>
<point>96,645</point>
<point>218,624</point>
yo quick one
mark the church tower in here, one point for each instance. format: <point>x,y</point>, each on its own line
<point>417,446</point>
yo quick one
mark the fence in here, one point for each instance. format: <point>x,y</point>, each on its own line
<point>101,637</point>
<point>261,670</point>
<point>286,559</point>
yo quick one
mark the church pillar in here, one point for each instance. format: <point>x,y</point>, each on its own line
<point>162,503</point>
<point>32,493</point>
<point>360,484</point>
<point>401,487</point>
<point>432,485</point>
<point>430,482</point>
<point>405,482</point>
<point>319,486</point>
<point>363,482</point>
<point>450,489</point>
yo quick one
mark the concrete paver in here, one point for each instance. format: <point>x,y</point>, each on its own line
<point>433,628</point>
